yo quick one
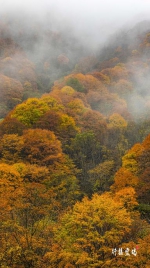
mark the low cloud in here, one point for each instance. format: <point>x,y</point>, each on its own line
<point>92,20</point>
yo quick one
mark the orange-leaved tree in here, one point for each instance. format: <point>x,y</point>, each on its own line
<point>26,210</point>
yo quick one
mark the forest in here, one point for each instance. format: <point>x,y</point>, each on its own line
<point>74,149</point>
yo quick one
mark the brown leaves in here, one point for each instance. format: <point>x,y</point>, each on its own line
<point>41,147</point>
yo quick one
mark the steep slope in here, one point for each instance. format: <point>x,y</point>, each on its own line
<point>74,162</point>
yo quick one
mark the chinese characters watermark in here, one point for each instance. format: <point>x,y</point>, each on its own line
<point>126,252</point>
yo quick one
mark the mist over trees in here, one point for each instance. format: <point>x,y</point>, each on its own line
<point>74,135</point>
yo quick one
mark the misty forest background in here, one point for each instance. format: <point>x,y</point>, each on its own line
<point>74,147</point>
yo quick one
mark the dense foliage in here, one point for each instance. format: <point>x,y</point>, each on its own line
<point>75,156</point>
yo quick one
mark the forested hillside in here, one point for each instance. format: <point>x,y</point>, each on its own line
<point>74,149</point>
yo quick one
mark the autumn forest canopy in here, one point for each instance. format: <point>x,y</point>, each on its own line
<point>74,148</point>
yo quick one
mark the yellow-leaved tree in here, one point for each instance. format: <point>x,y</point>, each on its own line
<point>88,232</point>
